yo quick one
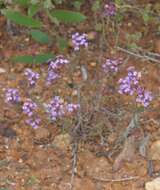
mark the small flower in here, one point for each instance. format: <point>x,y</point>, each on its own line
<point>129,84</point>
<point>31,76</point>
<point>28,107</point>
<point>51,77</point>
<point>34,123</point>
<point>72,107</point>
<point>12,95</point>
<point>79,40</point>
<point>111,65</point>
<point>57,63</point>
<point>110,9</point>
<point>144,97</point>
<point>55,108</point>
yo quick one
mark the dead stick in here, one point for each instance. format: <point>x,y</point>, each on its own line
<point>116,180</point>
<point>138,55</point>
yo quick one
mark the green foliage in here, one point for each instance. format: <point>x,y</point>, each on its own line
<point>96,6</point>
<point>62,43</point>
<point>22,2</point>
<point>33,9</point>
<point>29,59</point>
<point>146,14</point>
<point>68,16</point>
<point>132,40</point>
<point>39,36</point>
<point>21,19</point>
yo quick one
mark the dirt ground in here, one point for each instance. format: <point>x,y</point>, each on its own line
<point>54,158</point>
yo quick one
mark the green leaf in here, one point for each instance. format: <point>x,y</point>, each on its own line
<point>22,2</point>
<point>68,16</point>
<point>39,36</point>
<point>23,20</point>
<point>32,10</point>
<point>62,43</point>
<point>29,59</point>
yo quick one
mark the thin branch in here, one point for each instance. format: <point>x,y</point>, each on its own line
<point>116,180</point>
<point>138,55</point>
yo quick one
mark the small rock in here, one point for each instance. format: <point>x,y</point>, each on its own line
<point>2,70</point>
<point>7,131</point>
<point>153,185</point>
<point>41,133</point>
<point>42,136</point>
<point>157,46</point>
<point>91,35</point>
<point>154,152</point>
<point>62,141</point>
<point>93,64</point>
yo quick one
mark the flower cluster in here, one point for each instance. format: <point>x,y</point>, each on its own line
<point>79,40</point>
<point>57,63</point>
<point>144,97</point>
<point>12,95</point>
<point>110,9</point>
<point>51,77</point>
<point>31,76</point>
<point>111,65</point>
<point>29,107</point>
<point>33,122</point>
<point>57,108</point>
<point>130,85</point>
<point>70,108</point>
<point>54,66</point>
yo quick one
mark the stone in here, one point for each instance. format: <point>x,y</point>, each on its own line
<point>153,185</point>
<point>154,151</point>
<point>62,141</point>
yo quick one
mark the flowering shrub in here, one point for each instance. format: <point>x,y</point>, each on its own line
<point>56,108</point>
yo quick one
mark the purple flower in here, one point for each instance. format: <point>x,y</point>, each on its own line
<point>79,40</point>
<point>31,76</point>
<point>72,107</point>
<point>144,97</point>
<point>34,123</point>
<point>129,84</point>
<point>28,107</point>
<point>51,77</point>
<point>110,9</point>
<point>12,95</point>
<point>57,63</point>
<point>55,108</point>
<point>111,65</point>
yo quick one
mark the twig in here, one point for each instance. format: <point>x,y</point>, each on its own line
<point>75,143</point>
<point>138,55</point>
<point>116,180</point>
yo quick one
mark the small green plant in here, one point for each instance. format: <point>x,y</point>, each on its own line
<point>25,13</point>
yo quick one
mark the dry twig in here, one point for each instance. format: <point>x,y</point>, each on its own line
<point>116,180</point>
